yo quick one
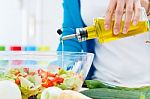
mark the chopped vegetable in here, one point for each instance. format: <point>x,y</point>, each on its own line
<point>99,90</point>
<point>92,84</point>
<point>33,82</point>
<point>51,93</point>
<point>69,94</point>
<point>105,93</point>
<point>17,81</point>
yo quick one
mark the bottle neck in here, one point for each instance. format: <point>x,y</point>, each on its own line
<point>86,33</point>
<point>91,32</point>
<point>83,34</point>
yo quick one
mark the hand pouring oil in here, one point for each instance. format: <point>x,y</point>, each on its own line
<point>97,31</point>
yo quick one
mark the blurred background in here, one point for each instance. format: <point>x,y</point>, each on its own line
<point>30,22</point>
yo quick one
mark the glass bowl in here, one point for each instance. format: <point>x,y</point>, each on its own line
<point>76,61</point>
<point>35,71</point>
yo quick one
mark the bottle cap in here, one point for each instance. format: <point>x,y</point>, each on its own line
<point>15,48</point>
<point>59,31</point>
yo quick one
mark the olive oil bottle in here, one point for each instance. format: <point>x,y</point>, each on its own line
<point>97,31</point>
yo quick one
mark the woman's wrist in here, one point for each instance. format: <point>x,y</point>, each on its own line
<point>148,10</point>
<point>146,5</point>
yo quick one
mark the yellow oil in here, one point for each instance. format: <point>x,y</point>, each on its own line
<point>98,31</point>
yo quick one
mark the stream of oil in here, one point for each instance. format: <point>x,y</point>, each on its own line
<point>62,54</point>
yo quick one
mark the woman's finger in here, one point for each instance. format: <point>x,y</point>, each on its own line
<point>137,10</point>
<point>109,14</point>
<point>118,16</point>
<point>145,4</point>
<point>128,15</point>
<point>149,17</point>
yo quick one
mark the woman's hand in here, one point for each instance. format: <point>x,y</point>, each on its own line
<point>146,5</point>
<point>117,8</point>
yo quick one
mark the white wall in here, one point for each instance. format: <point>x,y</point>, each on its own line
<point>44,16</point>
<point>10,22</point>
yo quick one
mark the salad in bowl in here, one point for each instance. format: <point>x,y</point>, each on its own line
<point>45,70</point>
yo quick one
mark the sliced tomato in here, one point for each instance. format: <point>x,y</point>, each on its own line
<point>17,81</point>
<point>43,80</point>
<point>47,84</point>
<point>50,83</point>
<point>51,74</point>
<point>58,80</point>
<point>44,75</point>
